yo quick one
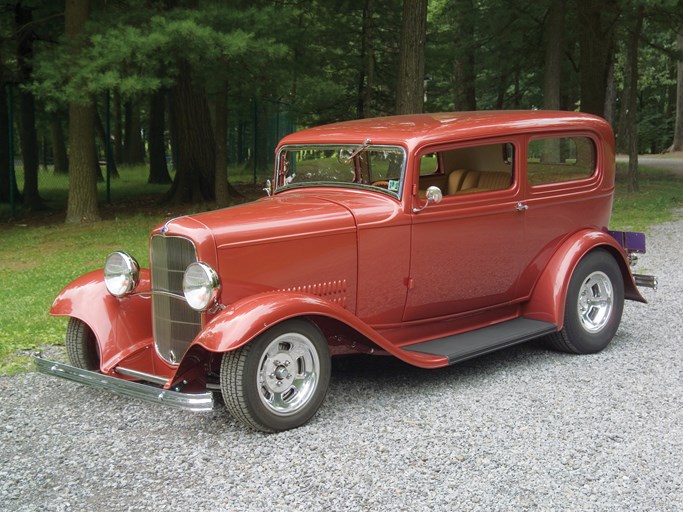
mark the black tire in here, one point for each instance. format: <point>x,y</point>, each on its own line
<point>595,302</point>
<point>81,346</point>
<point>257,383</point>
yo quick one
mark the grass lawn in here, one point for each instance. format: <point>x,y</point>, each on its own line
<point>38,259</point>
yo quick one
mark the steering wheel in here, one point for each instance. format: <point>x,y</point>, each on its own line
<point>381,183</point>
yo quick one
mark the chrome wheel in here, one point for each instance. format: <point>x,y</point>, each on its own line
<point>288,373</point>
<point>596,299</point>
<point>279,380</point>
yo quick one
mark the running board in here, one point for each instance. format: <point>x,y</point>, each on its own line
<point>482,341</point>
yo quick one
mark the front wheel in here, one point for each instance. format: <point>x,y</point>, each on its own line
<point>595,301</point>
<point>81,345</point>
<point>279,380</point>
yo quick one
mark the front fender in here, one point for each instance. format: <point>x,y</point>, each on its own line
<point>244,320</point>
<point>121,326</point>
<point>548,299</point>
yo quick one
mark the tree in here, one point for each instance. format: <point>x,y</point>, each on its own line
<point>23,18</point>
<point>158,169</point>
<point>677,144</point>
<point>597,21</point>
<point>410,80</point>
<point>82,201</point>
<point>464,73</point>
<point>635,25</point>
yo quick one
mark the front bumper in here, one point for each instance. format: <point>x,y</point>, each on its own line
<point>196,402</point>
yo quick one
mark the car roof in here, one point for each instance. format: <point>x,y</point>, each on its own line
<point>419,129</point>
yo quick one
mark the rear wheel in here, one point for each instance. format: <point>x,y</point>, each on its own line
<point>595,301</point>
<point>279,380</point>
<point>81,345</point>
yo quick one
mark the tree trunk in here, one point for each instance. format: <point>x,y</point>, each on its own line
<point>134,147</point>
<point>5,157</point>
<point>27,110</point>
<point>82,202</point>
<point>366,79</point>
<point>596,43</point>
<point>611,96</point>
<point>158,169</point>
<point>464,73</point>
<point>195,163</point>
<point>221,133</point>
<point>678,127</point>
<point>410,83</point>
<point>118,129</point>
<point>552,79</point>
<point>59,158</point>
<point>636,25</point>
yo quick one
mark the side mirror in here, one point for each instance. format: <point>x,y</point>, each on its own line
<point>269,187</point>
<point>434,196</point>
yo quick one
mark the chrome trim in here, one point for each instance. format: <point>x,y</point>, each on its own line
<point>434,196</point>
<point>646,281</point>
<point>131,272</point>
<point>195,402</point>
<point>595,302</point>
<point>175,324</point>
<point>214,283</point>
<point>140,375</point>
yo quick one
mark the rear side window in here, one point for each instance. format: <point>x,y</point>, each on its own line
<point>560,159</point>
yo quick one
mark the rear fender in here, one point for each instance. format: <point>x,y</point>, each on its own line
<point>549,296</point>
<point>242,321</point>
<point>121,326</point>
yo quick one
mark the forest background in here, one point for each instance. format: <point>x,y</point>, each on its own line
<point>198,91</point>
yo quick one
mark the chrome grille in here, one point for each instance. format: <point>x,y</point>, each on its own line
<point>175,323</point>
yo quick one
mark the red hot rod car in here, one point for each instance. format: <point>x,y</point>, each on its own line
<point>433,238</point>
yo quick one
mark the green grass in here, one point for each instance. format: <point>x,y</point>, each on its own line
<point>659,200</point>
<point>37,261</point>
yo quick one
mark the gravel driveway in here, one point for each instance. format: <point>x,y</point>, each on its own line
<point>522,429</point>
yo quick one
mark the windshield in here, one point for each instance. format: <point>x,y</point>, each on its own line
<point>349,165</point>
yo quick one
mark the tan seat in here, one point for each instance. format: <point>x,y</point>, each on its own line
<point>471,180</point>
<point>495,180</point>
<point>455,179</point>
<point>480,181</point>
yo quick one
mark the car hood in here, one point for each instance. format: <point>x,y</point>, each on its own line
<point>266,220</point>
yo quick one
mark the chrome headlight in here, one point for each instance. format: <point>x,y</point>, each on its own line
<point>201,286</point>
<point>121,273</point>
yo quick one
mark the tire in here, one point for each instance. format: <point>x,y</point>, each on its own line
<point>81,346</point>
<point>595,302</point>
<point>259,387</point>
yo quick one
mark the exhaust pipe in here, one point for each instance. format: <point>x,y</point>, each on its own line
<point>646,281</point>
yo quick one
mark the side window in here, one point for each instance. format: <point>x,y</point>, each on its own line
<point>483,168</point>
<point>560,159</point>
<point>429,164</point>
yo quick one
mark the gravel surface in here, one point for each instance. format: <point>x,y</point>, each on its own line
<point>521,429</point>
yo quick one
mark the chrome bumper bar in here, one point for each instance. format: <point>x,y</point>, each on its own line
<point>646,281</point>
<point>196,402</point>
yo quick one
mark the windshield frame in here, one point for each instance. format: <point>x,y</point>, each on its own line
<point>353,148</point>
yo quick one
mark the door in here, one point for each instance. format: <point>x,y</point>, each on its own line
<point>467,252</point>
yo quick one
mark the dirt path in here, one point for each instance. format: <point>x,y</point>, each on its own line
<point>671,162</point>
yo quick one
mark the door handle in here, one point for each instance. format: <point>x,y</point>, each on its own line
<point>522,207</point>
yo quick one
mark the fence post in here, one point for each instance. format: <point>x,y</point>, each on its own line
<point>10,136</point>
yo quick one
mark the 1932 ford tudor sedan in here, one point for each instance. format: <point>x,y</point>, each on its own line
<point>433,238</point>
